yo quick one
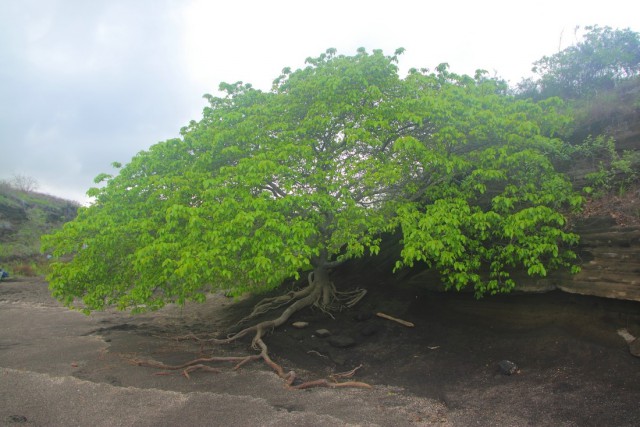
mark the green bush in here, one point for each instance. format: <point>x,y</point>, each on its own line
<point>611,170</point>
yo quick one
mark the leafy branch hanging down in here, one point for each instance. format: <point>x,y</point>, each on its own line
<point>271,185</point>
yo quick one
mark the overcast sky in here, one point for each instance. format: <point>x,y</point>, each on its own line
<point>84,83</point>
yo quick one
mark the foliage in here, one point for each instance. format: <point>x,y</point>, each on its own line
<point>606,112</point>
<point>599,78</point>
<point>599,62</point>
<point>271,184</point>
<point>610,169</point>
<point>24,218</point>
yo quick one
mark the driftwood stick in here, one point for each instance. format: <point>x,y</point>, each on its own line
<point>393,319</point>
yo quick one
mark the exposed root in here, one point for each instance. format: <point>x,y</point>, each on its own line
<point>270,304</point>
<point>189,337</point>
<point>327,383</point>
<point>199,367</point>
<point>348,299</point>
<point>334,300</point>
<point>317,353</point>
<point>320,293</point>
<point>196,364</point>
<point>347,374</point>
<point>290,377</point>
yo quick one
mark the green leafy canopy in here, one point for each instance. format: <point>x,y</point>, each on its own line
<point>312,173</point>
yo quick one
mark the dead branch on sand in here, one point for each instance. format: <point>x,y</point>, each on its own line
<point>394,319</point>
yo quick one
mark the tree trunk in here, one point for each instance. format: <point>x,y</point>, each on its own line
<point>323,283</point>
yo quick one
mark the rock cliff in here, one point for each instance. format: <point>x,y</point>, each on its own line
<point>610,261</point>
<point>610,230</point>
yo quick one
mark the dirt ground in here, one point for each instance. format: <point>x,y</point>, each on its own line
<point>63,368</point>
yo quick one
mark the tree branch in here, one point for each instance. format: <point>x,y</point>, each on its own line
<point>275,190</point>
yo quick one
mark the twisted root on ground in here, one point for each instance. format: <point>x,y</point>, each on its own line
<point>320,293</point>
<point>289,377</point>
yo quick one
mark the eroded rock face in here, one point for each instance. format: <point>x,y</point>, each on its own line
<point>611,262</point>
<point>609,257</point>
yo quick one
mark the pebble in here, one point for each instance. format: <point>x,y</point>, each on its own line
<point>322,333</point>
<point>507,367</point>
<point>300,325</point>
<point>341,341</point>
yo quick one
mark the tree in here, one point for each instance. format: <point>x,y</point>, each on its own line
<point>271,185</point>
<point>601,60</point>
<point>23,183</point>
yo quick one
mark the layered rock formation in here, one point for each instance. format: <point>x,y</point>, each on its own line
<point>610,234</point>
<point>610,256</point>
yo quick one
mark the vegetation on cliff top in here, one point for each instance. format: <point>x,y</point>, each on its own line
<point>25,216</point>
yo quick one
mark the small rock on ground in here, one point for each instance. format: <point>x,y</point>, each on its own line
<point>341,341</point>
<point>322,333</point>
<point>507,367</point>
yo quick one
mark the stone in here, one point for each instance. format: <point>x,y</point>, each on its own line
<point>338,359</point>
<point>507,367</point>
<point>300,325</point>
<point>341,341</point>
<point>368,330</point>
<point>634,347</point>
<point>323,333</point>
<point>626,336</point>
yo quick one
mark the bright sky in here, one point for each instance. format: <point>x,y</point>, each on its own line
<point>84,83</point>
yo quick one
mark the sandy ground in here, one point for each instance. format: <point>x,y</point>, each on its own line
<point>62,368</point>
